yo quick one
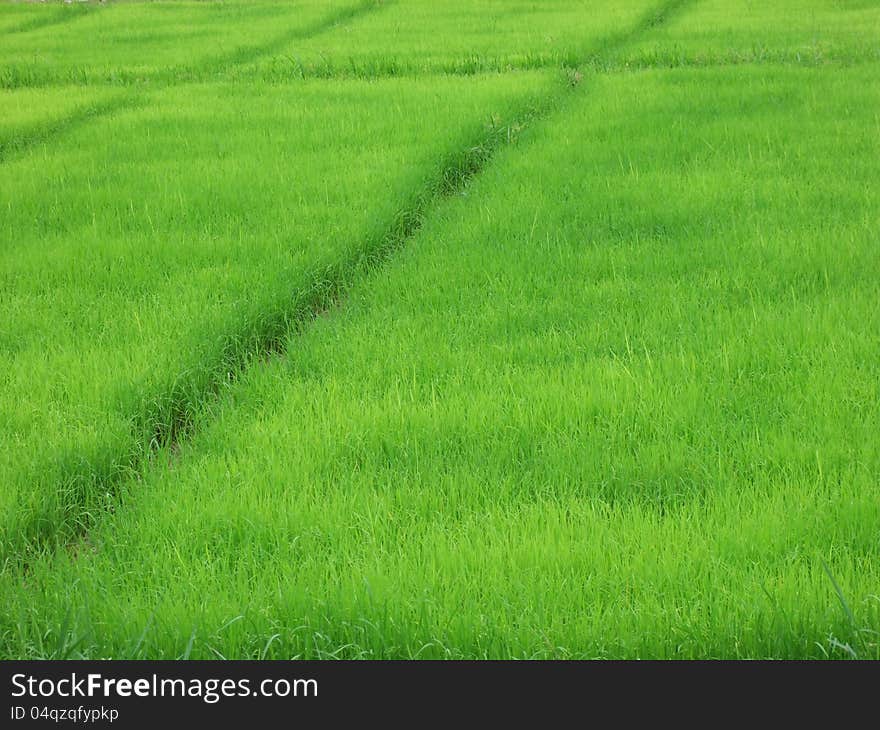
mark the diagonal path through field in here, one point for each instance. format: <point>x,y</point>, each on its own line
<point>164,422</point>
<point>136,44</point>
<point>145,264</point>
<point>411,44</point>
<point>822,36</point>
<point>43,132</point>
<point>788,32</point>
<point>416,38</point>
<point>635,206</point>
<point>332,21</point>
<point>64,484</point>
<point>21,142</point>
<point>332,46</point>
<point>615,398</point>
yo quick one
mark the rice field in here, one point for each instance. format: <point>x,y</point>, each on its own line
<point>161,246</point>
<point>458,36</point>
<point>139,41</point>
<point>413,330</point>
<point>724,32</point>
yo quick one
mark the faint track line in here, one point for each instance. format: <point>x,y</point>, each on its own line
<point>61,15</point>
<point>345,15</point>
<point>37,135</point>
<point>24,142</point>
<point>21,76</point>
<point>175,413</point>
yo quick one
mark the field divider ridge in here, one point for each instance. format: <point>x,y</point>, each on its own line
<point>165,418</point>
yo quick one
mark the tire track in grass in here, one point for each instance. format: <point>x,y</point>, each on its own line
<point>205,70</point>
<point>21,144</point>
<point>44,133</point>
<point>63,14</point>
<point>653,17</point>
<point>172,415</point>
<point>226,65</point>
<point>344,15</point>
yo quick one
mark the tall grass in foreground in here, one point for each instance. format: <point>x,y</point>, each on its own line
<point>617,399</point>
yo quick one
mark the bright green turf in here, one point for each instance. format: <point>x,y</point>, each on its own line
<point>410,36</point>
<point>742,31</point>
<point>123,41</point>
<point>18,17</point>
<point>619,398</point>
<point>27,114</point>
<point>142,256</point>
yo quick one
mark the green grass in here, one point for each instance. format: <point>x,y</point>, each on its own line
<point>747,31</point>
<point>480,362</point>
<point>616,399</point>
<point>416,36</point>
<point>146,255</point>
<point>131,41</point>
<point>19,17</point>
<point>28,115</point>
